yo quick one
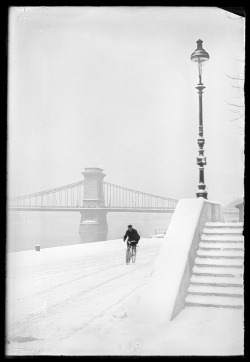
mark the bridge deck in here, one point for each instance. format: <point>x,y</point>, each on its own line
<point>79,209</point>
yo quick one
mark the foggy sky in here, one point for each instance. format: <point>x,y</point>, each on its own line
<point>115,88</point>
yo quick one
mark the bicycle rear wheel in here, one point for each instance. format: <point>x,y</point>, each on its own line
<point>133,253</point>
<point>128,255</point>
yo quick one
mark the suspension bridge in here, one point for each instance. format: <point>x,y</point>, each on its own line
<point>74,197</point>
<point>93,198</point>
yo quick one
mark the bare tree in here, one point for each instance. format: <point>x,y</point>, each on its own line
<point>237,104</point>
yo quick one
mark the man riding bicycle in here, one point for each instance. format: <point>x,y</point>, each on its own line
<point>132,235</point>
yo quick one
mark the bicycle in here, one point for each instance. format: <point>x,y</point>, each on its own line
<point>131,252</point>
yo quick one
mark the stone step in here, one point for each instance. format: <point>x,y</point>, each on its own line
<point>223,231</point>
<point>226,271</point>
<point>230,254</point>
<point>232,218</point>
<point>222,238</point>
<point>224,224</point>
<point>219,262</point>
<point>218,245</point>
<point>211,300</point>
<point>214,240</point>
<point>237,292</point>
<point>217,276</point>
<point>216,280</point>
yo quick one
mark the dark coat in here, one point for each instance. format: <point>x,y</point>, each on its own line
<point>131,235</point>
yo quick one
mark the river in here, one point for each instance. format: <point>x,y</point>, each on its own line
<point>25,229</point>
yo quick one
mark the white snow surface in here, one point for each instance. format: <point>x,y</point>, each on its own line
<point>83,299</point>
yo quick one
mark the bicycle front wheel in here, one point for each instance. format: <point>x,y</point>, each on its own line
<point>128,256</point>
<point>133,254</point>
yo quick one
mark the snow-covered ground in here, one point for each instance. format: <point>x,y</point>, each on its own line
<point>82,299</point>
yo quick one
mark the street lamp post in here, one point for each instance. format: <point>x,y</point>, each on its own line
<point>200,56</point>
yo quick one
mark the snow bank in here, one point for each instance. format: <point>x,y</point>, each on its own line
<point>164,295</point>
<point>157,236</point>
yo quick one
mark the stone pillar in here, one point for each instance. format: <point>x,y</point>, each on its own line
<point>93,225</point>
<point>240,206</point>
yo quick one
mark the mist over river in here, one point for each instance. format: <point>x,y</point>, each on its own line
<point>25,229</point>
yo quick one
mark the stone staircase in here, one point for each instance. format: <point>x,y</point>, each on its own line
<point>217,278</point>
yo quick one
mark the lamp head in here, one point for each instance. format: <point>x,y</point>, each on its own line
<point>199,55</point>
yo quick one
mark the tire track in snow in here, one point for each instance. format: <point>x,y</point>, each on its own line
<point>24,322</point>
<point>56,286</point>
<point>54,311</point>
<point>103,312</point>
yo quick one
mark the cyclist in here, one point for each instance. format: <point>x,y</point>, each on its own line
<point>132,235</point>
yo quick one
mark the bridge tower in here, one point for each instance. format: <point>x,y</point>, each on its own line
<point>93,225</point>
